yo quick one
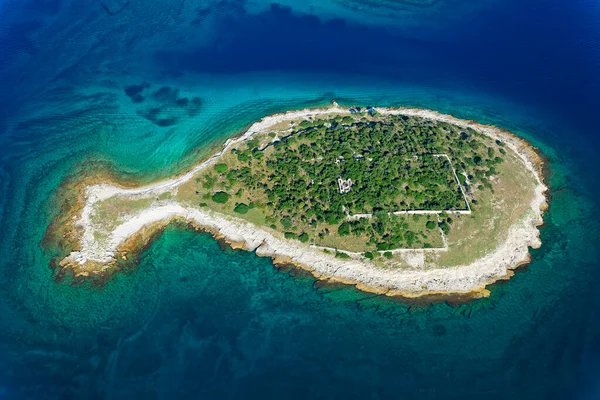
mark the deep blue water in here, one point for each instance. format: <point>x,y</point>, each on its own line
<point>194,321</point>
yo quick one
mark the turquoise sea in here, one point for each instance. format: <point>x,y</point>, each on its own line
<point>194,321</point>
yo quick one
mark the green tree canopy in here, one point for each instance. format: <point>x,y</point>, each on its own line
<point>220,197</point>
<point>241,208</point>
<point>220,168</point>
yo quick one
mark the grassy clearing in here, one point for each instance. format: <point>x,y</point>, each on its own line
<point>473,236</point>
<point>348,243</point>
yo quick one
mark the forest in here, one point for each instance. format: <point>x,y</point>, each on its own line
<point>394,163</point>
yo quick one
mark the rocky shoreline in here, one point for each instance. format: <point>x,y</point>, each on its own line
<point>86,260</point>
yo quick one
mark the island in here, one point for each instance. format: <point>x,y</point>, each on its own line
<point>396,201</point>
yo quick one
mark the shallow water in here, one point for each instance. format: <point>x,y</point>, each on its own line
<point>193,321</point>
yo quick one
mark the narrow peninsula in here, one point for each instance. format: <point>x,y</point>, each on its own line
<point>397,201</point>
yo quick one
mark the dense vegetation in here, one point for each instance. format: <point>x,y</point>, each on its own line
<point>395,163</point>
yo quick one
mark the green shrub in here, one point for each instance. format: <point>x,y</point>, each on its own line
<point>220,197</point>
<point>220,168</point>
<point>303,237</point>
<point>241,208</point>
<point>342,255</point>
<point>445,227</point>
<point>290,235</point>
<point>286,223</point>
<point>344,229</point>
<point>430,225</point>
<point>209,182</point>
<point>382,246</point>
<point>331,219</point>
<point>388,254</point>
<point>252,143</point>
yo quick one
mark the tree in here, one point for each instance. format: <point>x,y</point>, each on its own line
<point>430,225</point>
<point>303,237</point>
<point>243,156</point>
<point>445,227</point>
<point>241,208</point>
<point>220,197</point>
<point>220,168</point>
<point>286,222</point>
<point>344,229</point>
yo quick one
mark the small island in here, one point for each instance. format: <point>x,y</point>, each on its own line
<point>397,201</point>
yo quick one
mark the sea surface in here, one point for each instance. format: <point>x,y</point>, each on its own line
<point>103,82</point>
